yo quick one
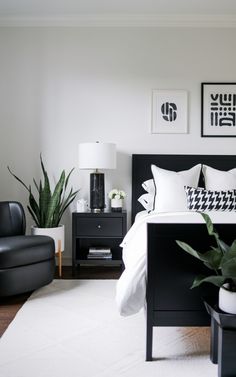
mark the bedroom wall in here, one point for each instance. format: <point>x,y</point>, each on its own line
<point>63,86</point>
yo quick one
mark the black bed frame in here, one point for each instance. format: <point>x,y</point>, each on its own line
<point>170,302</point>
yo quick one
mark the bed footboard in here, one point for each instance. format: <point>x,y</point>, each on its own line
<point>170,273</point>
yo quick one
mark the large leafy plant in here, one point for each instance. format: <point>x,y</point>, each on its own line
<point>220,258</point>
<point>49,207</point>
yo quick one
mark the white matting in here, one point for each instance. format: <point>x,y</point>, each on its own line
<point>72,328</point>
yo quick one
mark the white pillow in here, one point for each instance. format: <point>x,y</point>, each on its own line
<point>218,180</point>
<point>149,186</point>
<point>147,201</point>
<point>170,193</point>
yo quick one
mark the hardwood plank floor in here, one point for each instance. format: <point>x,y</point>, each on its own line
<point>9,306</point>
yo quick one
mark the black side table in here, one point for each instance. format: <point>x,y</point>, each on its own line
<point>223,339</point>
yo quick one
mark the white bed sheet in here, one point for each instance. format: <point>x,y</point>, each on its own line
<point>131,287</point>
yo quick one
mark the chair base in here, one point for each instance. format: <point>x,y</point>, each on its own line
<point>27,278</point>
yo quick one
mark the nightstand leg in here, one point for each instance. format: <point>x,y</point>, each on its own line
<point>226,353</point>
<point>214,341</point>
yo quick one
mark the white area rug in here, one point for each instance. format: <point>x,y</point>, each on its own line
<point>71,328</point>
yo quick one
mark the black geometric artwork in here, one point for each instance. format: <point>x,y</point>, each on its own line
<point>169,111</point>
<point>218,109</point>
<point>223,110</point>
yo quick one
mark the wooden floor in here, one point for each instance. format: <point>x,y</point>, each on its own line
<point>10,306</point>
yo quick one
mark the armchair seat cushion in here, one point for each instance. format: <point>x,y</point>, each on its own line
<point>25,250</point>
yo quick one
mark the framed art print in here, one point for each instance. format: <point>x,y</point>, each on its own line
<point>169,111</point>
<point>218,117</point>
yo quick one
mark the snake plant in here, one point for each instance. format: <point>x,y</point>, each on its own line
<point>48,208</point>
<point>220,258</point>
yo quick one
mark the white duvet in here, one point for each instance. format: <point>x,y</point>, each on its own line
<point>131,287</point>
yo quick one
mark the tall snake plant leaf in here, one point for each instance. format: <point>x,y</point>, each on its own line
<point>18,179</point>
<point>67,178</point>
<point>49,208</point>
<point>70,197</point>
<point>34,206</point>
<point>55,200</point>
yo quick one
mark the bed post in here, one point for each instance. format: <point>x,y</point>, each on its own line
<point>149,304</point>
<point>149,335</point>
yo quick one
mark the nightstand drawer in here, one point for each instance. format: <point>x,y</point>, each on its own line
<point>96,227</point>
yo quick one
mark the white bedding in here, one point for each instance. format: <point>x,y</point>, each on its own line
<point>131,287</point>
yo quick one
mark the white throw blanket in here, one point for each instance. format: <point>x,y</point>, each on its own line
<point>131,287</point>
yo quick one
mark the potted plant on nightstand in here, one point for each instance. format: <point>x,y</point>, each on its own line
<point>222,260</point>
<point>116,197</point>
<point>48,208</point>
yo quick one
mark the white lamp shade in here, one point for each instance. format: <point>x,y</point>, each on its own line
<point>97,156</point>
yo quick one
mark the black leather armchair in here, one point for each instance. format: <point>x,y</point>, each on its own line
<point>26,262</point>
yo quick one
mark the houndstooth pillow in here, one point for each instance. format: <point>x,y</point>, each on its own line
<point>199,199</point>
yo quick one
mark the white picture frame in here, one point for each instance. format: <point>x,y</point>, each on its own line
<point>169,111</point>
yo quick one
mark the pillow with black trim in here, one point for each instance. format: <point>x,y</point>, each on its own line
<point>170,195</point>
<point>218,180</point>
<point>199,199</point>
<point>149,186</point>
<point>147,201</point>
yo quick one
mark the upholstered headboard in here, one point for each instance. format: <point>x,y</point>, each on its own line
<point>141,169</point>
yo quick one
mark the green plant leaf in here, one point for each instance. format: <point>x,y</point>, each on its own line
<point>210,227</point>
<point>69,199</point>
<point>229,268</point>
<point>212,258</point>
<point>189,249</point>
<point>230,254</point>
<point>223,246</point>
<point>19,180</point>
<point>36,185</point>
<point>55,201</point>
<point>34,207</point>
<point>33,216</point>
<point>216,280</point>
<point>67,178</point>
<point>49,208</point>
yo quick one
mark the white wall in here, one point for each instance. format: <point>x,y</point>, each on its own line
<point>63,86</point>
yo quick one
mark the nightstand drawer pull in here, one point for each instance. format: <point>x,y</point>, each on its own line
<point>99,226</point>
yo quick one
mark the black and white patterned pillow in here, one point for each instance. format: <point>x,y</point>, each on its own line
<point>199,199</point>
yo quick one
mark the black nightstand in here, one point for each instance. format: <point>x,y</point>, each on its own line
<point>105,229</point>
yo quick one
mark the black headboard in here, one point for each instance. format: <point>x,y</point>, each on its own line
<point>141,169</point>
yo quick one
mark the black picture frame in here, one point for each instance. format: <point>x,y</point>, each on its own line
<point>218,109</point>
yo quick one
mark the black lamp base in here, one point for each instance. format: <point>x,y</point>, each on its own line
<point>97,202</point>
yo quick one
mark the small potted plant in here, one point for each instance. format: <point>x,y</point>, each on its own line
<point>222,260</point>
<point>116,197</point>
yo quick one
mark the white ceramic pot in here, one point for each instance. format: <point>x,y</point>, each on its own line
<point>116,205</point>
<point>58,234</point>
<point>227,300</point>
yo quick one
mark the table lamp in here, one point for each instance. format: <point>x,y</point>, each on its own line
<point>97,156</point>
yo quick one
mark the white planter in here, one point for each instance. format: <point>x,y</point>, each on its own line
<point>58,234</point>
<point>227,301</point>
<point>116,205</point>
